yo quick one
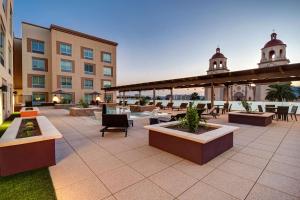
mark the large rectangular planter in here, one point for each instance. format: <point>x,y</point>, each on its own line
<point>23,154</point>
<point>256,119</point>
<point>138,108</point>
<point>29,113</point>
<point>75,111</point>
<point>196,148</point>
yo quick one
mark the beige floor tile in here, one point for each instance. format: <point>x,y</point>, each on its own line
<point>261,192</point>
<point>167,158</point>
<point>287,160</point>
<point>173,181</point>
<point>216,161</point>
<point>148,150</point>
<point>110,198</point>
<point>231,184</point>
<point>90,189</point>
<point>148,166</point>
<point>256,152</point>
<point>240,169</point>
<point>117,148</point>
<point>202,191</point>
<point>131,156</point>
<point>264,147</point>
<point>144,190</point>
<point>281,183</point>
<point>120,178</point>
<point>250,160</point>
<point>193,169</point>
<point>104,164</point>
<point>284,169</point>
<point>96,154</point>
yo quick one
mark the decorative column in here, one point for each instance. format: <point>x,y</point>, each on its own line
<point>154,96</point>
<point>140,96</point>
<point>123,98</point>
<point>212,93</point>
<point>227,94</point>
<point>171,97</point>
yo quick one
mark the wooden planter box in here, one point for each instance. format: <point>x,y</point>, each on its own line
<point>196,148</point>
<point>29,113</point>
<point>256,119</point>
<point>23,154</point>
<point>138,108</point>
<point>75,111</point>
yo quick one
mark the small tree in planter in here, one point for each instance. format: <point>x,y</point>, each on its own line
<point>83,104</point>
<point>192,119</point>
<point>143,101</point>
<point>246,105</point>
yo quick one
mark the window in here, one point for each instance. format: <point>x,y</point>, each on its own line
<point>66,66</point>
<point>87,84</point>
<point>37,46</point>
<point>10,59</point>
<point>88,68</point>
<point>106,83</point>
<point>107,71</point>
<point>38,64</point>
<point>66,98</point>
<point>38,98</point>
<point>11,21</point>
<point>66,82</point>
<point>38,81</point>
<point>88,98</point>
<point>65,49</point>
<point>2,45</point>
<point>106,57</point>
<point>88,53</point>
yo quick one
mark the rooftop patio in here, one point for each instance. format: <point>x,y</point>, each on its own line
<point>263,164</point>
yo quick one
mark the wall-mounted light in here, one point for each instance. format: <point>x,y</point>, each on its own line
<point>55,99</point>
<point>98,98</point>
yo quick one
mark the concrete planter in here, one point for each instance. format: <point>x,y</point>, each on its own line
<point>75,111</point>
<point>138,108</point>
<point>199,148</point>
<point>63,106</point>
<point>256,119</point>
<point>23,154</point>
<point>29,112</point>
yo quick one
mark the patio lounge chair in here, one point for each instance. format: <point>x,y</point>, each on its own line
<point>200,106</point>
<point>211,112</point>
<point>168,106</point>
<point>294,112</point>
<point>114,123</point>
<point>260,109</point>
<point>181,107</point>
<point>282,113</point>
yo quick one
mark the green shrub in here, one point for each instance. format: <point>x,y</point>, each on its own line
<point>143,101</point>
<point>83,104</point>
<point>191,120</point>
<point>246,105</point>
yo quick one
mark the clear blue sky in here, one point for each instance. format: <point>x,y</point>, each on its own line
<point>163,39</point>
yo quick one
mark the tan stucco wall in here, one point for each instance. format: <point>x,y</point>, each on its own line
<point>51,37</point>
<point>5,76</point>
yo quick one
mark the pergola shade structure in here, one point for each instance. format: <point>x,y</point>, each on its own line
<point>282,73</point>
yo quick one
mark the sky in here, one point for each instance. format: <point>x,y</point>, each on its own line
<point>164,39</point>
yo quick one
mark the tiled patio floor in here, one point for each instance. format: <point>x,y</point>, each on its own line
<point>263,164</point>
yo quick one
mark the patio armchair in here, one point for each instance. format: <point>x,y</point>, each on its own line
<point>225,108</point>
<point>136,103</point>
<point>260,109</point>
<point>208,106</point>
<point>211,112</point>
<point>181,107</point>
<point>294,112</point>
<point>158,104</point>
<point>200,106</point>
<point>168,106</point>
<point>282,113</point>
<point>229,109</point>
<point>150,103</point>
<point>114,123</point>
<point>120,103</point>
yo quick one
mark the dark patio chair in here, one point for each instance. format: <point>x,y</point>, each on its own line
<point>158,104</point>
<point>211,112</point>
<point>229,109</point>
<point>282,113</point>
<point>150,103</point>
<point>208,105</point>
<point>168,106</point>
<point>136,103</point>
<point>181,107</point>
<point>120,103</point>
<point>294,112</point>
<point>225,108</point>
<point>114,123</point>
<point>260,109</point>
<point>200,106</point>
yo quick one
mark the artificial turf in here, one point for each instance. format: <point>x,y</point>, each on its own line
<point>31,185</point>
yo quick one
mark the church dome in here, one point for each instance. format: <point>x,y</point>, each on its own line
<point>218,54</point>
<point>274,41</point>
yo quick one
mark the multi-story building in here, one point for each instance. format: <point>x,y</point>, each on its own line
<point>6,59</point>
<point>60,64</point>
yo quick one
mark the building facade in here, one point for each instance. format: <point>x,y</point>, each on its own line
<point>272,54</point>
<point>63,65</point>
<point>6,59</point>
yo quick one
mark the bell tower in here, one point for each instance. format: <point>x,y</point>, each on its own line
<point>217,63</point>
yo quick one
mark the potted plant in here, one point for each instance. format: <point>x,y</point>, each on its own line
<point>83,104</point>
<point>143,101</point>
<point>192,120</point>
<point>247,106</point>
